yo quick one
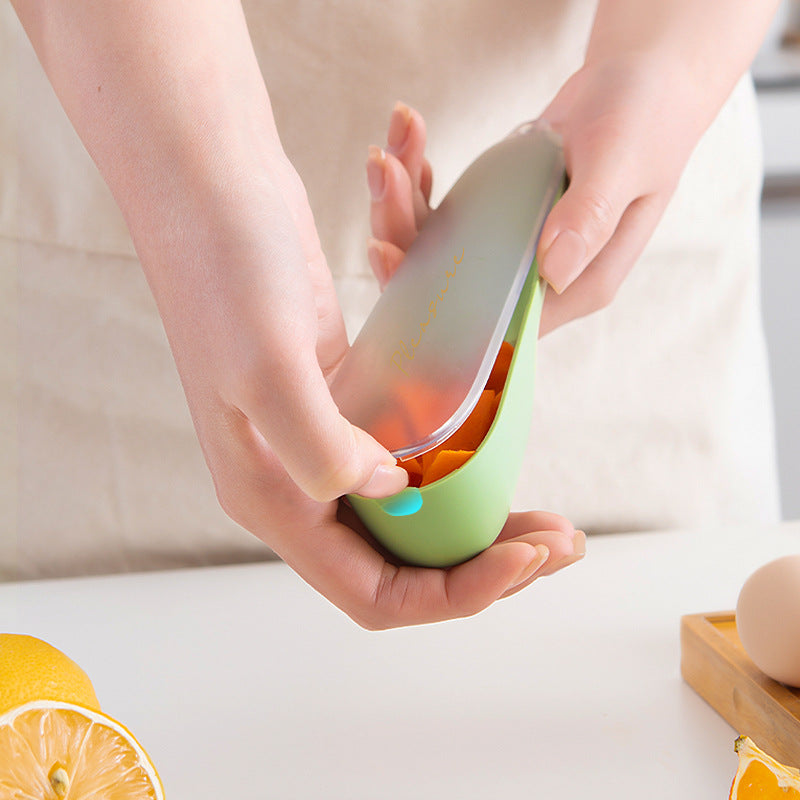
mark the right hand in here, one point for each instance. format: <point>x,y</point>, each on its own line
<point>249,307</point>
<point>174,110</point>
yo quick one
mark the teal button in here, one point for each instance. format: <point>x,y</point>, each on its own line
<point>402,504</point>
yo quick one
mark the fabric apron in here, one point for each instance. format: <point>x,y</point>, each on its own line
<point>653,413</point>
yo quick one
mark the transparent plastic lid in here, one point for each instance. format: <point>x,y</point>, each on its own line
<point>418,365</point>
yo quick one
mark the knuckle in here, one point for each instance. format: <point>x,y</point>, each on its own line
<point>599,210</point>
<point>394,600</point>
<point>338,473</point>
<point>381,605</point>
<point>325,486</point>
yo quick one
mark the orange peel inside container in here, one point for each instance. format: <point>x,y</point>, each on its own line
<point>457,449</point>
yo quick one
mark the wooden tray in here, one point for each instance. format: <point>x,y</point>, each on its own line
<point>715,665</point>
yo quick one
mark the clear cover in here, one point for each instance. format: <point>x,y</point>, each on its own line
<point>423,356</point>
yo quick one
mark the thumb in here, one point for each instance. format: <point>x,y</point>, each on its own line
<point>323,453</point>
<point>586,216</point>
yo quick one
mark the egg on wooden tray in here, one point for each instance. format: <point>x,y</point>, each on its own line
<point>768,619</point>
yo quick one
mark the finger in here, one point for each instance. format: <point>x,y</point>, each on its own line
<point>552,566</point>
<point>585,218</point>
<point>560,544</point>
<point>598,284</point>
<point>426,182</point>
<point>342,565</point>
<point>406,140</point>
<point>521,522</point>
<point>392,214</point>
<point>332,339</point>
<point>551,530</point>
<point>324,454</point>
<point>384,258</point>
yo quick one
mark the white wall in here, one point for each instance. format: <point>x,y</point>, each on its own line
<point>781,309</point>
<point>777,74</point>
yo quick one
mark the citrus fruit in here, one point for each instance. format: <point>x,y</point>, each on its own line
<point>761,776</point>
<point>31,669</point>
<point>461,445</point>
<point>55,743</point>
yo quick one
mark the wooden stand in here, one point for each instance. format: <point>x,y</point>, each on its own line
<point>716,666</point>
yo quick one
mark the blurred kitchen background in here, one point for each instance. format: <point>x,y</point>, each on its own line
<point>776,72</point>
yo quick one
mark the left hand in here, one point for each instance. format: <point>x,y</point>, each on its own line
<point>624,157</point>
<point>628,125</point>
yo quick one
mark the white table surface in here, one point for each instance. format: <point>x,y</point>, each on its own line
<point>242,682</point>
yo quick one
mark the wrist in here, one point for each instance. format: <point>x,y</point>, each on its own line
<point>660,82</point>
<point>709,45</point>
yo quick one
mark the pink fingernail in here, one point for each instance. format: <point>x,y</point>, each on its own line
<point>533,566</point>
<point>399,127</point>
<point>376,173</point>
<point>375,256</point>
<point>563,261</point>
<point>384,482</point>
<point>578,552</point>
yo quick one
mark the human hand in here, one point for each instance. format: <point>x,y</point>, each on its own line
<point>628,125</point>
<point>653,80</point>
<point>175,112</point>
<point>329,547</point>
<point>623,158</point>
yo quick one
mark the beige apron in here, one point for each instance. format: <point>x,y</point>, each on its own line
<point>653,413</point>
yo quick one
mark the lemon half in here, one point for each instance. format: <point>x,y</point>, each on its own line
<point>55,743</point>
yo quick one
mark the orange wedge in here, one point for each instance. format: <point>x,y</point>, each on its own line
<point>499,373</point>
<point>446,461</point>
<point>413,466</point>
<point>761,777</point>
<point>455,451</point>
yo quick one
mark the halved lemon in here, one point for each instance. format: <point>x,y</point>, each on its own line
<point>31,669</point>
<point>60,751</point>
<point>761,777</point>
<point>55,743</point>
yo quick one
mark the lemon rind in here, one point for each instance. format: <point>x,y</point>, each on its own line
<point>97,717</point>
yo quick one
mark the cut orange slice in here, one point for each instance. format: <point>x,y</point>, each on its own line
<point>499,373</point>
<point>446,461</point>
<point>413,466</point>
<point>60,751</point>
<point>761,777</point>
<point>456,450</point>
<point>469,435</point>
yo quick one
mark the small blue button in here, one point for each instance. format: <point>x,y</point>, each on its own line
<point>402,504</point>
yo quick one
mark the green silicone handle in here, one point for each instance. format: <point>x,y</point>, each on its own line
<point>463,513</point>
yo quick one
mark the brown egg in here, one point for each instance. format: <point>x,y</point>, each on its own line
<point>768,619</point>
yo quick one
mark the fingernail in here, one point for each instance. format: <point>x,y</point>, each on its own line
<point>563,261</point>
<point>399,127</point>
<point>384,481</point>
<point>375,256</point>
<point>376,172</point>
<point>535,564</point>
<point>578,552</point>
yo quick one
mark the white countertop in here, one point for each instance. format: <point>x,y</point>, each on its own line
<point>242,682</point>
